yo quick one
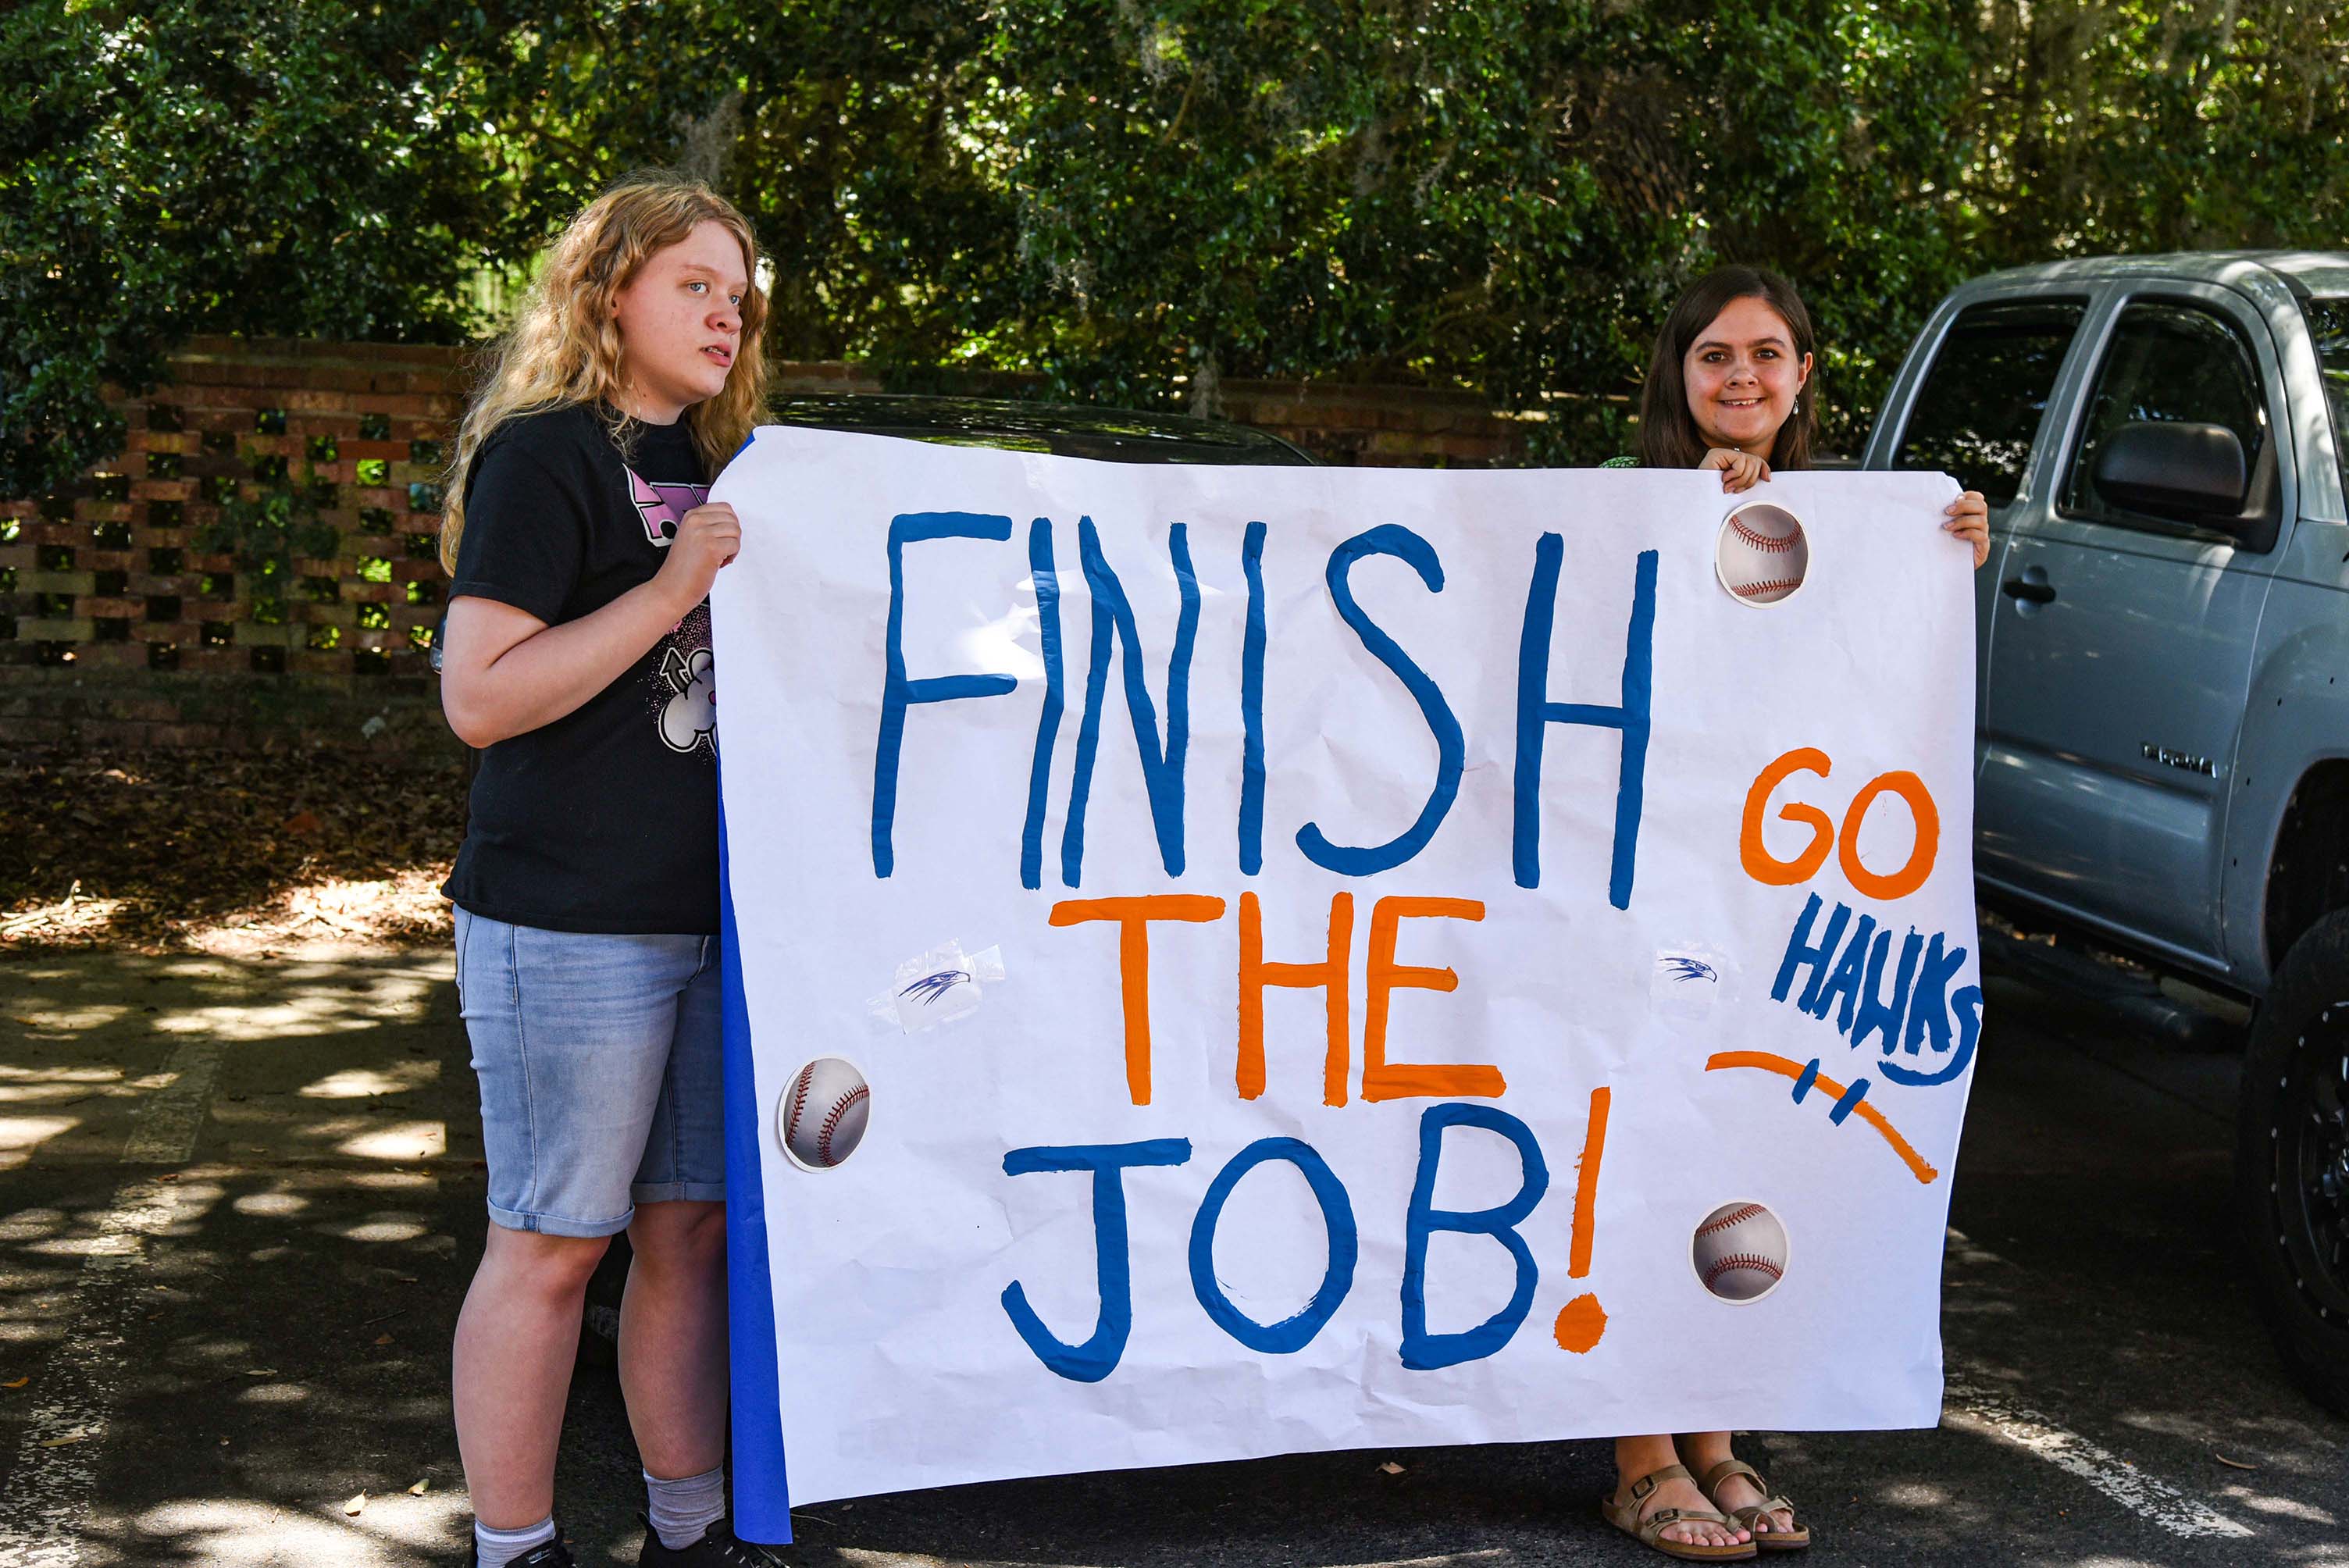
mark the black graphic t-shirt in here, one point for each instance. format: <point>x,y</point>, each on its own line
<point>605,819</point>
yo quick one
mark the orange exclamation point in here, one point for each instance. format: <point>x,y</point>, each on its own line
<point>1581,1321</point>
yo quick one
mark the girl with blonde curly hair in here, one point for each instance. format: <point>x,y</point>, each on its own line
<point>581,546</point>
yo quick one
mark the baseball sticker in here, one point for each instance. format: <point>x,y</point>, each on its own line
<point>1762,555</point>
<point>1739,1251</point>
<point>820,1117</point>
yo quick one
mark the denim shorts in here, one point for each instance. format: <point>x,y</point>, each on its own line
<point>599,1061</point>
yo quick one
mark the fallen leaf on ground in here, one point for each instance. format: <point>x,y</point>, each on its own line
<point>2233,1464</point>
<point>382,1339</point>
<point>167,848</point>
<point>69,1438</point>
<point>18,1384</point>
<point>1391,1468</point>
<point>420,1489</point>
<point>356,1504</point>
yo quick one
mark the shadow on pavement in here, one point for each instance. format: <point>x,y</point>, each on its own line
<point>233,1240</point>
<point>240,1200</point>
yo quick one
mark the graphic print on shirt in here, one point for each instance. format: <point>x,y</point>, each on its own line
<point>662,505</point>
<point>686,686</point>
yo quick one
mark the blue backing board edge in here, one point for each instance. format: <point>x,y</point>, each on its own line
<point>763,1498</point>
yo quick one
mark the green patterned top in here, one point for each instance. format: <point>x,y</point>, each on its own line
<point>1620,463</point>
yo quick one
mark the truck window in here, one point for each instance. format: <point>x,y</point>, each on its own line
<point>2328,324</point>
<point>2169,360</point>
<point>1979,410</point>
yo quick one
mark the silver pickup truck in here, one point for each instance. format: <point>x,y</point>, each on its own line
<point>2163,752</point>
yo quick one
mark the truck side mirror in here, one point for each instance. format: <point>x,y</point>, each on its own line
<point>2174,469</point>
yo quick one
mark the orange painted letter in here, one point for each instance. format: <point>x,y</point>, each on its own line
<point>1442,1079</point>
<point>1928,817</point>
<point>1330,975</point>
<point>1134,916</point>
<point>1760,864</point>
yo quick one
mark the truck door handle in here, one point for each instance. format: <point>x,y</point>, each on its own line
<point>2022,588</point>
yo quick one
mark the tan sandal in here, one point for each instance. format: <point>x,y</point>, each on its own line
<point>1649,1532</point>
<point>1772,1539</point>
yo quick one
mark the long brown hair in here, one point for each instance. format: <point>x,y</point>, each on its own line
<point>1668,436</point>
<point>564,346</point>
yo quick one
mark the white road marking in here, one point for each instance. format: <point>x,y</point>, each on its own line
<point>55,1470</point>
<point>167,1125</point>
<point>1969,1408</point>
<point>866,1557</point>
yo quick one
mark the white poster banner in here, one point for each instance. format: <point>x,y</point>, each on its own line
<point>1250,960</point>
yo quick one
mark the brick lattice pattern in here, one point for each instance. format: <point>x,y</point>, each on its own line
<point>120,630</point>
<point>118,627</point>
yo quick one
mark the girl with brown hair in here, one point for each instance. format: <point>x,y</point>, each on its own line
<point>1731,386</point>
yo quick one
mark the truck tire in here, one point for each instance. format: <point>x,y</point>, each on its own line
<point>2292,1161</point>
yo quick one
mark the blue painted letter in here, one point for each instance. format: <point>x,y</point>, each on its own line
<point>1536,713</point>
<point>1801,953</point>
<point>1162,773</point>
<point>1929,1002</point>
<point>1967,1005</point>
<point>1337,1218</point>
<point>1390,538</point>
<point>897,693</point>
<point>1097,1357</point>
<point>1047,723</point>
<point>1252,706</point>
<point>1422,1351</point>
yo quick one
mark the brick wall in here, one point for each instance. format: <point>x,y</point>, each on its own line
<point>120,630</point>
<point>1382,427</point>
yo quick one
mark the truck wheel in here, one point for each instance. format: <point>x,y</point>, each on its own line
<point>2292,1162</point>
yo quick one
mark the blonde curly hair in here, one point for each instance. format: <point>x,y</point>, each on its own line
<point>565,345</point>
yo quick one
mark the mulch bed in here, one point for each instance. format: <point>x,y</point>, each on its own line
<point>160,851</point>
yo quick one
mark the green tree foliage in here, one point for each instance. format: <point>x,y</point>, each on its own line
<point>1139,198</point>
<point>1136,199</point>
<point>282,168</point>
<point>855,135</point>
<point>1285,188</point>
<point>1881,151</point>
<point>2152,127</point>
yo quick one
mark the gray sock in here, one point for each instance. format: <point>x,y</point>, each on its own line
<point>681,1511</point>
<point>496,1547</point>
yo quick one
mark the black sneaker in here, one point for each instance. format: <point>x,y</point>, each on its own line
<point>718,1547</point>
<point>553,1554</point>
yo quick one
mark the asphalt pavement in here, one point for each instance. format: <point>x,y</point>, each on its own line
<point>240,1198</point>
